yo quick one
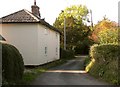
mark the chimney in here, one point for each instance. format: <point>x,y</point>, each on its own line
<point>35,9</point>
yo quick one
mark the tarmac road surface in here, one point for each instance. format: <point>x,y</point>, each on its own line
<point>70,73</point>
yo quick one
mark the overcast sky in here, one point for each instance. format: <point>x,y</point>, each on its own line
<point>50,9</point>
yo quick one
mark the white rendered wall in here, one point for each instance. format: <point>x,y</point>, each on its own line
<point>31,40</point>
<point>48,38</point>
<point>24,38</point>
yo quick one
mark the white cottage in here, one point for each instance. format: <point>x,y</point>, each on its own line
<point>37,40</point>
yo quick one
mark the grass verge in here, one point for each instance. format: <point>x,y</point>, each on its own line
<point>31,73</point>
<point>104,72</point>
<point>87,61</point>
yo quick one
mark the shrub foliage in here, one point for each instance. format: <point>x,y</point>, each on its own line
<point>108,36</point>
<point>101,26</point>
<point>12,64</point>
<point>66,54</point>
<point>104,62</point>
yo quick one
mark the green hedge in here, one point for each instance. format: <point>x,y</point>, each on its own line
<point>104,62</point>
<point>12,64</point>
<point>66,54</point>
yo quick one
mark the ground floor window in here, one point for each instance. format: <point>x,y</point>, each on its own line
<point>56,51</point>
<point>45,50</point>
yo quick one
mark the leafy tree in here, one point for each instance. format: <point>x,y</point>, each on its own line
<point>76,30</point>
<point>101,26</point>
<point>74,15</point>
<point>108,36</point>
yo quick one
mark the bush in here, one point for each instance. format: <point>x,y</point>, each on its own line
<point>104,62</point>
<point>12,64</point>
<point>108,36</point>
<point>66,54</point>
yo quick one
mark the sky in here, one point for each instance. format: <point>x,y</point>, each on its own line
<point>50,9</point>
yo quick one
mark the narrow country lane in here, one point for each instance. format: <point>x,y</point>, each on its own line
<point>70,73</point>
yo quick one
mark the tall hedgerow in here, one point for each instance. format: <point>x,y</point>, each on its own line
<point>12,64</point>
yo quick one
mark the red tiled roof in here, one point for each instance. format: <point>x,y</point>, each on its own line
<point>20,16</point>
<point>24,16</point>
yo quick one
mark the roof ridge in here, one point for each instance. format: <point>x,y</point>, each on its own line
<point>34,17</point>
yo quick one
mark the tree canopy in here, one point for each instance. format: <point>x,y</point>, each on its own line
<point>74,15</point>
<point>108,36</point>
<point>76,30</point>
<point>103,25</point>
